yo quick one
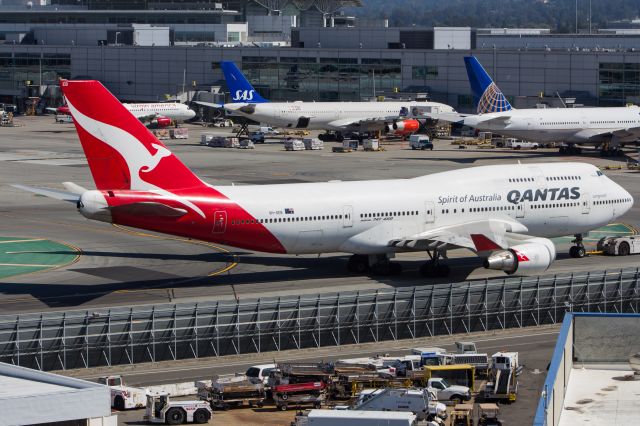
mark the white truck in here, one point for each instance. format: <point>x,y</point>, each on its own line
<point>445,392</point>
<point>269,130</point>
<point>420,142</point>
<point>421,402</point>
<point>260,373</point>
<point>620,246</point>
<point>124,397</point>
<point>519,144</point>
<point>160,409</point>
<point>355,418</point>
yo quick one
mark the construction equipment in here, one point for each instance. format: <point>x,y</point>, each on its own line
<point>488,415</point>
<point>160,409</point>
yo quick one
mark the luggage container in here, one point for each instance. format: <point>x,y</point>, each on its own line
<point>179,133</point>
<point>313,143</point>
<point>246,144</point>
<point>371,145</point>
<point>294,145</point>
<point>233,393</point>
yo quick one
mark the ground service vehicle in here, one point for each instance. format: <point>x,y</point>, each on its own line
<point>462,415</point>
<point>160,409</point>
<point>311,393</point>
<point>269,130</point>
<point>488,415</point>
<point>418,401</point>
<point>620,246</point>
<point>259,373</point>
<point>64,118</point>
<point>518,144</point>
<point>447,392</point>
<point>503,380</point>
<point>226,394</point>
<point>355,418</point>
<point>457,374</point>
<point>256,137</point>
<point>421,142</point>
<point>124,397</point>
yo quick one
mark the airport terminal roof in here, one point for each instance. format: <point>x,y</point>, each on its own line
<point>30,396</point>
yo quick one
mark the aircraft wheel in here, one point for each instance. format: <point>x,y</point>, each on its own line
<point>577,252</point>
<point>358,264</point>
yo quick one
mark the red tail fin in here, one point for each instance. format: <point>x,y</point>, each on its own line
<point>121,152</point>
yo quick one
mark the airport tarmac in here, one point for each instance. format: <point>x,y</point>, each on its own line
<point>119,266</point>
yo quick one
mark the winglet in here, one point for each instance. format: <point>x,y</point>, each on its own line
<point>241,90</point>
<point>486,95</point>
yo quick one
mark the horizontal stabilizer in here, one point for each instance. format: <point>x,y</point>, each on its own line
<point>51,193</point>
<point>148,209</point>
<point>74,188</point>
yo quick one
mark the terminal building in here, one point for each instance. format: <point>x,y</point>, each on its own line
<point>150,50</point>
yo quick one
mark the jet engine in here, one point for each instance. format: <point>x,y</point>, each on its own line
<point>162,121</point>
<point>532,257</point>
<point>402,127</point>
<point>406,125</point>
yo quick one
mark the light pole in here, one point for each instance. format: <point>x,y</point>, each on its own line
<point>117,33</point>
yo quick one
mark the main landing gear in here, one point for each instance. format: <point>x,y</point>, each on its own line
<point>578,250</point>
<point>377,264</point>
<point>433,268</point>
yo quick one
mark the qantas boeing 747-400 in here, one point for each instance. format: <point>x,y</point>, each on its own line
<point>503,213</point>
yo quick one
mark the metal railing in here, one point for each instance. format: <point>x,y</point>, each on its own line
<point>105,337</point>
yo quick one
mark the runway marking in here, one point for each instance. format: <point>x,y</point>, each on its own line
<point>29,265</point>
<point>21,241</point>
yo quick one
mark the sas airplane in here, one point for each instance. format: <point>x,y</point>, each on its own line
<point>606,127</point>
<point>390,117</point>
<point>503,213</point>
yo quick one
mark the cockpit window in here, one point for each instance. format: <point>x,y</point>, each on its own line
<point>599,173</point>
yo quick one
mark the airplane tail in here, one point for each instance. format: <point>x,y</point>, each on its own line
<point>487,97</point>
<point>122,153</point>
<point>240,88</point>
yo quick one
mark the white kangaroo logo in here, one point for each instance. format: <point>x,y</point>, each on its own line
<point>244,95</point>
<point>135,154</point>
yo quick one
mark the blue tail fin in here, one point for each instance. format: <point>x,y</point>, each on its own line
<point>487,97</point>
<point>240,88</point>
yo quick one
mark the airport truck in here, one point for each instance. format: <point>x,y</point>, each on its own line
<point>161,409</point>
<point>124,397</point>
<point>355,418</point>
<point>446,392</point>
<point>503,380</point>
<point>620,246</point>
<point>422,402</point>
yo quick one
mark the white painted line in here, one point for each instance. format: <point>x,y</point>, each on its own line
<point>21,241</point>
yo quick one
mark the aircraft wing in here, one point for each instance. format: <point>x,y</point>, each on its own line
<point>478,236</point>
<point>630,134</point>
<point>363,122</point>
<point>472,120</point>
<point>51,193</point>
<point>209,104</point>
<point>51,109</point>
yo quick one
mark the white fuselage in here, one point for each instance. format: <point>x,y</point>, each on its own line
<point>552,199</point>
<point>149,111</point>
<point>570,125</point>
<point>339,116</point>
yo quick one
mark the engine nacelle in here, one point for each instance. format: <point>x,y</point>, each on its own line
<point>530,258</point>
<point>163,121</point>
<point>406,126</point>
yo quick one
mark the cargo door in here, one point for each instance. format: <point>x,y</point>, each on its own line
<point>347,216</point>
<point>219,222</point>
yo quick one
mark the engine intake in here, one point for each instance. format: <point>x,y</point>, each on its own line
<point>533,257</point>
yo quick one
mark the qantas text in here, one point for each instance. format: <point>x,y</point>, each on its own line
<point>547,194</point>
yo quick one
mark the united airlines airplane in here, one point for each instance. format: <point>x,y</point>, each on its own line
<point>503,213</point>
<point>606,127</point>
<point>390,117</point>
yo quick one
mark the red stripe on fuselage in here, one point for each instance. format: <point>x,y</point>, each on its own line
<point>250,234</point>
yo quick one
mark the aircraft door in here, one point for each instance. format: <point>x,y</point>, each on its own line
<point>586,203</point>
<point>347,216</point>
<point>430,212</point>
<point>219,222</point>
<point>520,208</point>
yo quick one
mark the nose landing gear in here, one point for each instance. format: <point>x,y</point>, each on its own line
<point>577,251</point>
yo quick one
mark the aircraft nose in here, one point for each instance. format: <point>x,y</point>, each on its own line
<point>191,113</point>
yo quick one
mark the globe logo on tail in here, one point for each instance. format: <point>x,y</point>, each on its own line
<point>493,100</point>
